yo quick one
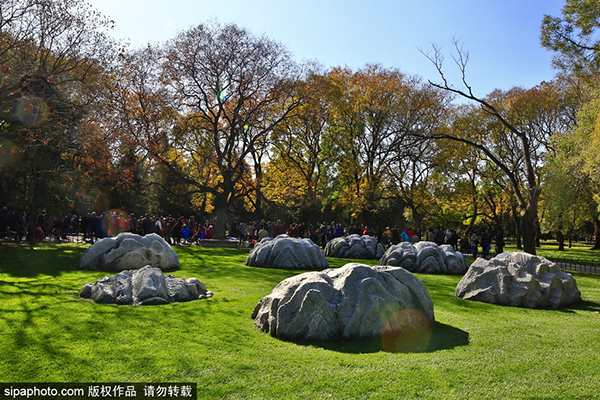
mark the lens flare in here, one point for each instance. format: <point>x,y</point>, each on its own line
<point>222,95</point>
<point>31,111</point>
<point>8,152</point>
<point>113,222</point>
<point>407,331</point>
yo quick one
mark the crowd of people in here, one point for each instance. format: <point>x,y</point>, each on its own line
<point>13,224</point>
<point>93,226</point>
<point>484,240</point>
<point>175,230</point>
<point>386,236</point>
<point>320,235</point>
<point>182,230</point>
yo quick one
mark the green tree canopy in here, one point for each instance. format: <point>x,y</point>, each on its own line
<point>574,37</point>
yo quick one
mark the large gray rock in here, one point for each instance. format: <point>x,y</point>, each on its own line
<point>520,280</point>
<point>286,252</point>
<point>425,257</point>
<point>355,301</point>
<point>129,251</point>
<point>354,246</point>
<point>144,286</point>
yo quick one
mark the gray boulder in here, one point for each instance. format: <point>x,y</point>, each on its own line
<point>354,246</point>
<point>286,252</point>
<point>129,251</point>
<point>355,301</point>
<point>425,257</point>
<point>144,286</point>
<point>520,280</point>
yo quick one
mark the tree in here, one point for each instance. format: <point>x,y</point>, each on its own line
<point>297,171</point>
<point>363,103</point>
<point>51,53</point>
<point>135,111</point>
<point>416,164</point>
<point>517,118</point>
<point>572,175</point>
<point>573,37</point>
<point>373,111</point>
<point>570,203</point>
<point>462,167</point>
<point>231,89</point>
<point>589,137</point>
<point>411,172</point>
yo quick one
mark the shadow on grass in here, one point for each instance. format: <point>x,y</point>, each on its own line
<point>50,259</point>
<point>582,306</point>
<point>215,263</point>
<point>443,337</point>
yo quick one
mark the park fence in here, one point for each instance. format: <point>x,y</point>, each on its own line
<point>581,265</point>
<point>567,264</point>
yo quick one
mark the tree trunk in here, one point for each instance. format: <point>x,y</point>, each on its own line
<point>528,229</point>
<point>597,234</point>
<point>221,221</point>
<point>517,223</point>
<point>367,217</point>
<point>417,218</point>
<point>258,213</point>
<point>538,232</point>
<point>369,202</point>
<point>473,219</point>
<point>202,216</point>
<point>31,219</point>
<point>314,212</point>
<point>561,241</point>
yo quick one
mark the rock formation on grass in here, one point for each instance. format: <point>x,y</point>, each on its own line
<point>355,301</point>
<point>354,246</point>
<point>520,280</point>
<point>129,251</point>
<point>286,252</point>
<point>144,286</point>
<point>425,257</point>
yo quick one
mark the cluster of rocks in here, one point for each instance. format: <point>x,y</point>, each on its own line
<point>141,281</point>
<point>144,286</point>
<point>286,252</point>
<point>425,257</point>
<point>129,251</point>
<point>355,301</point>
<point>520,280</point>
<point>354,246</point>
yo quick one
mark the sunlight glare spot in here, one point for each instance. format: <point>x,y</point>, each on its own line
<point>407,331</point>
<point>31,111</point>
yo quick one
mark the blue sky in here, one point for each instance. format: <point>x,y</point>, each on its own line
<point>502,37</point>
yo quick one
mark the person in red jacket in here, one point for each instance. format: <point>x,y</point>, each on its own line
<point>210,232</point>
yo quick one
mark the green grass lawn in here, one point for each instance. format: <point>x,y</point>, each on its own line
<point>576,252</point>
<point>477,350</point>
